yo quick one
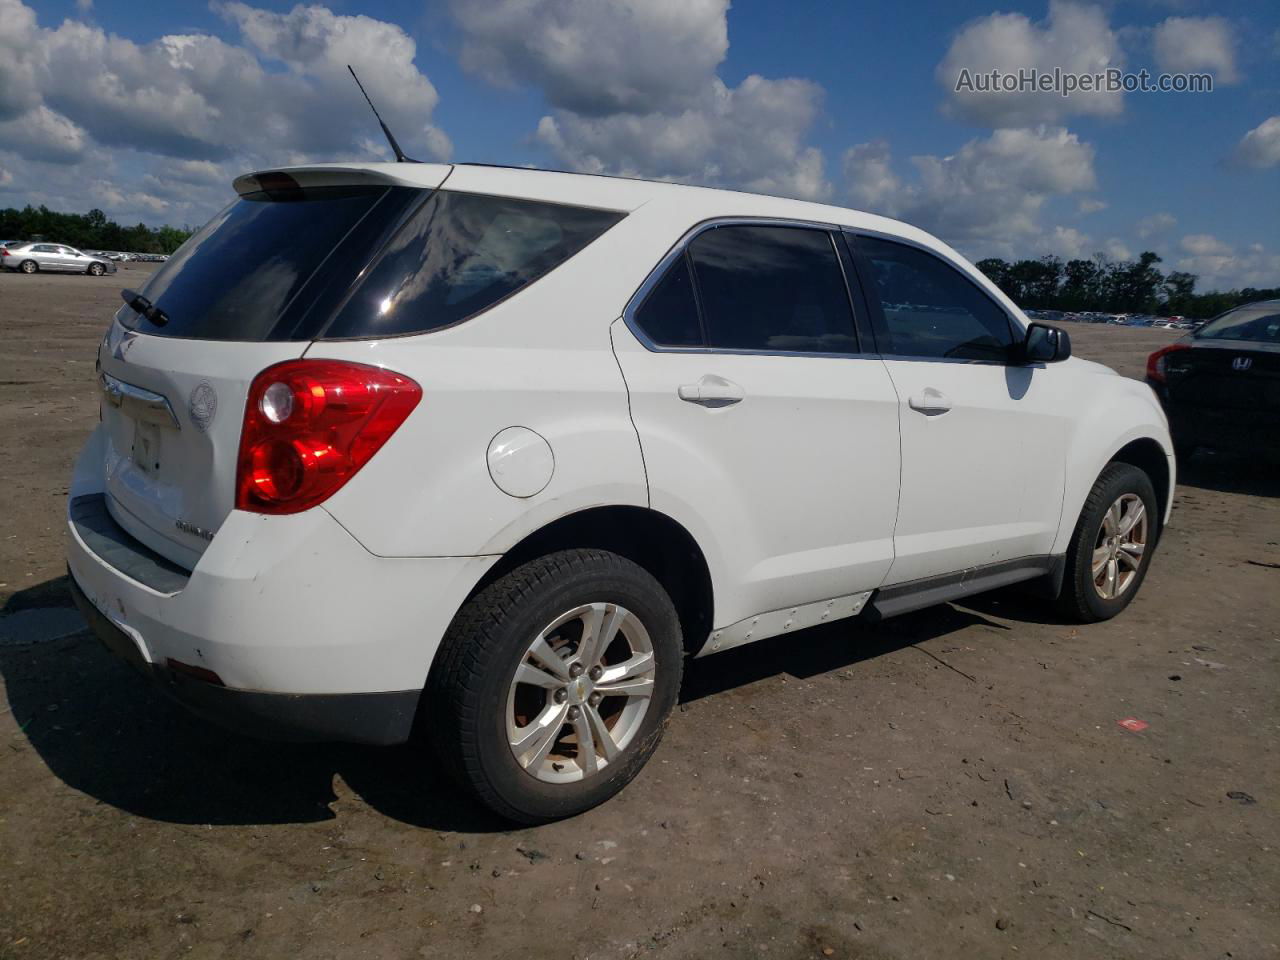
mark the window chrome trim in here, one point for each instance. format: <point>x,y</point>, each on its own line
<point>678,250</point>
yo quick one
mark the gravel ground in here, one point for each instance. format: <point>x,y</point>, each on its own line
<point>951,783</point>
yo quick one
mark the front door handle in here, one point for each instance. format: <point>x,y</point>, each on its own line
<point>711,391</point>
<point>930,402</point>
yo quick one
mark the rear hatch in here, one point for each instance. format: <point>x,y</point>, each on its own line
<point>250,289</point>
<point>1239,377</point>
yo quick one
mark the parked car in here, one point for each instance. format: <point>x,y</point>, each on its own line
<point>53,257</point>
<point>489,460</point>
<point>1220,385</point>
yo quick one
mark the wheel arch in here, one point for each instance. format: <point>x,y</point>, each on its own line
<point>1147,455</point>
<point>651,539</point>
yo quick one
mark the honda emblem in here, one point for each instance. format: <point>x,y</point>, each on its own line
<point>1242,363</point>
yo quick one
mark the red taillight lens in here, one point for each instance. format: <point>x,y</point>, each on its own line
<point>309,425</point>
<point>4,251</point>
<point>1156,363</point>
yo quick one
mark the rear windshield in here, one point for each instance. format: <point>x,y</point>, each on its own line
<point>1257,323</point>
<point>240,276</point>
<point>366,261</point>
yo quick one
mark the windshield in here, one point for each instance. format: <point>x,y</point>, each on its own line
<point>1257,323</point>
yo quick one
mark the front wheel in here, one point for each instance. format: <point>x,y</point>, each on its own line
<point>96,270</point>
<point>1111,548</point>
<point>552,685</point>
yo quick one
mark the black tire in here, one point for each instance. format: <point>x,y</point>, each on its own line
<point>29,266</point>
<point>96,270</point>
<point>1080,599</point>
<point>466,704</point>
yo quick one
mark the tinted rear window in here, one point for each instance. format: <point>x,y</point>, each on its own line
<point>1258,323</point>
<point>242,276</point>
<point>669,315</point>
<point>462,253</point>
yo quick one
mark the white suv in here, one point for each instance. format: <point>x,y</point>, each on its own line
<point>482,454</point>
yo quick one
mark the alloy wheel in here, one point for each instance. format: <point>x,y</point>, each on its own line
<point>1119,547</point>
<point>580,693</point>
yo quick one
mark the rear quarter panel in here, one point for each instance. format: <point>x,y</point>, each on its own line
<point>542,359</point>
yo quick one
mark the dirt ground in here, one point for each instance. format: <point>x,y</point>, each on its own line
<point>954,783</point>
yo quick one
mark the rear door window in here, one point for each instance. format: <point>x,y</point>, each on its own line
<point>460,254</point>
<point>669,314</point>
<point>774,289</point>
<point>931,310</point>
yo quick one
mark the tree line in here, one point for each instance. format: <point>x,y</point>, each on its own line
<point>1125,286</point>
<point>91,231</point>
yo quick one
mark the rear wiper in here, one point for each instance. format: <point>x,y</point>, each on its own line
<point>145,307</point>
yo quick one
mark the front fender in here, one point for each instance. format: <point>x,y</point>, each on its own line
<point>1119,412</point>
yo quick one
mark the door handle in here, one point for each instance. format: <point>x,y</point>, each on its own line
<point>711,391</point>
<point>930,402</point>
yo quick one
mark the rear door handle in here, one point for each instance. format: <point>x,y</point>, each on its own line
<point>711,391</point>
<point>930,402</point>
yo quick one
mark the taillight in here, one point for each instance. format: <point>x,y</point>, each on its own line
<point>4,251</point>
<point>1157,363</point>
<point>310,425</point>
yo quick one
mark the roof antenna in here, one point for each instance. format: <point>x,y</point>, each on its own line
<point>395,147</point>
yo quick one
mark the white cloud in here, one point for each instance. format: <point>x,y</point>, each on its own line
<point>1205,245</point>
<point>44,134</point>
<point>1087,206</point>
<point>6,178</point>
<point>1076,38</point>
<point>748,136</point>
<point>597,57</point>
<point>1115,249</point>
<point>1068,243</point>
<point>84,6</point>
<point>1220,267</point>
<point>1196,44</point>
<point>634,91</point>
<point>1155,225</point>
<point>1260,147</point>
<point>197,109</point>
<point>988,195</point>
<point>111,198</point>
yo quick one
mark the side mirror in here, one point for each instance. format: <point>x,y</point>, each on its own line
<point>1045,344</point>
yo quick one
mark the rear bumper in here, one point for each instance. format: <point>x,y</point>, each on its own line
<point>1253,430</point>
<point>309,635</point>
<point>371,718</point>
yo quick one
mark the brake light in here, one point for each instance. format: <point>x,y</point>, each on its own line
<point>310,425</point>
<point>1157,363</point>
<point>4,251</point>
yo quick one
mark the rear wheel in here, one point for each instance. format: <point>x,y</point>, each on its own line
<point>96,269</point>
<point>28,266</point>
<point>1112,545</point>
<point>552,686</point>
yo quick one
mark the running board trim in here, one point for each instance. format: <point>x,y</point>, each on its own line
<point>930,591</point>
<point>787,620</point>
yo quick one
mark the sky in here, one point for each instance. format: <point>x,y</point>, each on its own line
<point>148,110</point>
